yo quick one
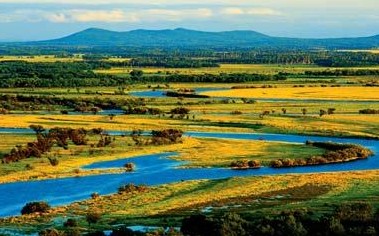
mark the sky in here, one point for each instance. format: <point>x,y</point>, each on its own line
<point>26,20</point>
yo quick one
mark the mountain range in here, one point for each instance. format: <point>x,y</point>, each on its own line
<point>185,38</point>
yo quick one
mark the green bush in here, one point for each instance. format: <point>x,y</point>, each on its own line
<point>33,207</point>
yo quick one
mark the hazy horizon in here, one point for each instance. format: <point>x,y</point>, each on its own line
<point>27,20</point>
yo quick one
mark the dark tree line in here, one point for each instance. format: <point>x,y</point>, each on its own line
<point>157,137</point>
<point>26,102</point>
<point>368,111</point>
<point>142,110</point>
<point>320,58</point>
<point>212,78</point>
<point>171,62</point>
<point>347,219</point>
<point>339,72</point>
<point>58,74</point>
<point>336,152</point>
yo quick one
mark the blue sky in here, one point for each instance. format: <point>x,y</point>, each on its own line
<point>22,20</point>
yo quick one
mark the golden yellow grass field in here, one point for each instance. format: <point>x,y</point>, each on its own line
<point>117,59</point>
<point>203,154</point>
<point>334,125</point>
<point>42,58</point>
<point>369,51</point>
<point>348,93</point>
<point>8,141</point>
<point>119,123</point>
<point>230,68</point>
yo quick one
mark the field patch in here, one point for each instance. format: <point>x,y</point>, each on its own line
<point>333,93</point>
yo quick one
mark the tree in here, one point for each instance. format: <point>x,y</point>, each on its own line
<point>3,111</point>
<point>70,223</point>
<point>322,113</point>
<point>95,110</point>
<point>125,231</point>
<point>304,111</point>
<point>38,129</point>
<point>263,114</point>
<point>111,116</point>
<point>50,232</point>
<point>198,225</point>
<point>129,167</point>
<point>331,111</point>
<point>93,217</point>
<point>284,110</point>
<point>53,161</point>
<point>334,226</point>
<point>34,207</point>
<point>136,74</point>
<point>232,224</point>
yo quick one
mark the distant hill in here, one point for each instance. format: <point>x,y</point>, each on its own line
<point>184,38</point>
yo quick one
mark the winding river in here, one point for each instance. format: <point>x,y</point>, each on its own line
<point>158,169</point>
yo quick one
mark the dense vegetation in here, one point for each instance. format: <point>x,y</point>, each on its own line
<point>81,73</point>
<point>347,219</point>
<point>368,111</point>
<point>157,137</point>
<point>35,207</point>
<point>336,153</point>
<point>355,219</point>
<point>26,102</point>
<point>24,74</point>
<point>47,139</point>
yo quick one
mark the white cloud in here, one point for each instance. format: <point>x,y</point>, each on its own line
<point>175,15</point>
<point>100,16</point>
<point>232,11</point>
<point>250,11</point>
<point>106,16</point>
<point>56,17</point>
<point>263,12</point>
<point>144,2</point>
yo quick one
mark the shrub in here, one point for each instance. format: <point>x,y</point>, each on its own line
<point>29,167</point>
<point>34,207</point>
<point>358,212</point>
<point>166,136</point>
<point>3,111</point>
<point>331,111</point>
<point>245,164</point>
<point>124,231</point>
<point>240,164</point>
<point>129,166</point>
<point>276,164</point>
<point>180,111</point>
<point>70,223</point>
<point>236,113</point>
<point>336,153</point>
<point>50,232</point>
<point>95,195</point>
<point>130,188</point>
<point>53,161</point>
<point>254,164</point>
<point>93,217</point>
<point>96,233</point>
<point>368,111</point>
